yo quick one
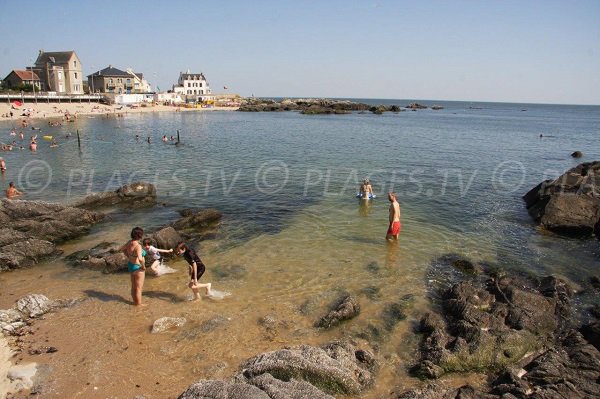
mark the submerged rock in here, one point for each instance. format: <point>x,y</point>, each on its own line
<point>577,154</point>
<point>197,219</point>
<point>569,205</point>
<point>167,323</point>
<point>345,309</point>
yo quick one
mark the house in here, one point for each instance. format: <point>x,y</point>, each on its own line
<point>114,80</point>
<point>192,86</point>
<point>16,78</point>
<point>59,71</point>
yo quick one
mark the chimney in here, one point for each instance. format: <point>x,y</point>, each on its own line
<point>41,52</point>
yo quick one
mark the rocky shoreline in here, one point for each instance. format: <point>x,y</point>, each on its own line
<point>523,332</point>
<point>314,106</point>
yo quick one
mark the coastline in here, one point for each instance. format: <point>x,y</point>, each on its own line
<point>45,111</point>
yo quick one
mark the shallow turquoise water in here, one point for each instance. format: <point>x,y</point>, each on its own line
<point>461,169</point>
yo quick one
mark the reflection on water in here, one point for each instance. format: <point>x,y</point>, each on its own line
<point>293,239</point>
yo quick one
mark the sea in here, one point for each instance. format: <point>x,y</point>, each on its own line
<point>294,237</point>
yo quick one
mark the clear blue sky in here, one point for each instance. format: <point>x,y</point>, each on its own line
<point>516,51</point>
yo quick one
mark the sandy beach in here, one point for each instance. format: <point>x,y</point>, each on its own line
<point>58,111</point>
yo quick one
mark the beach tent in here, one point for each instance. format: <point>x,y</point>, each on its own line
<point>17,103</point>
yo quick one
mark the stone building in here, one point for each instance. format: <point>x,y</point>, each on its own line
<point>59,71</point>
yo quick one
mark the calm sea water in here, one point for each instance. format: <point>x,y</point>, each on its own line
<point>286,184</point>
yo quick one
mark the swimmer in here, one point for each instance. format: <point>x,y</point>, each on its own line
<point>365,190</point>
<point>2,165</point>
<point>164,138</point>
<point>53,144</point>
<point>12,191</point>
<point>33,146</point>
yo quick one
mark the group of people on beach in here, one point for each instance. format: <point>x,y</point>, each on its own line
<point>136,250</point>
<point>365,193</point>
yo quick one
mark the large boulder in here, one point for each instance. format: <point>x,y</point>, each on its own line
<point>30,230</point>
<point>166,238</point>
<point>220,389</point>
<point>104,257</point>
<point>333,368</point>
<point>493,324</point>
<point>12,321</point>
<point>138,194</point>
<point>570,204</point>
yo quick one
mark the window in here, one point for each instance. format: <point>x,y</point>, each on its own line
<point>75,65</point>
<point>200,84</point>
<point>119,80</point>
<point>75,75</point>
<point>128,80</point>
<point>110,81</point>
<point>189,84</point>
<point>59,75</point>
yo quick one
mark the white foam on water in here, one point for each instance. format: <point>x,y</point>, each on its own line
<point>164,269</point>
<point>218,295</point>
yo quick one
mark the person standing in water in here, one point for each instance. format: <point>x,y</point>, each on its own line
<point>136,264</point>
<point>395,226</point>
<point>365,190</point>
<point>12,191</point>
<point>196,269</point>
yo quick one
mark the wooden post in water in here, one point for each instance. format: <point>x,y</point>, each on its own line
<point>78,139</point>
<point>177,136</point>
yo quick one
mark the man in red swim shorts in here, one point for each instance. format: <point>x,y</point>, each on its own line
<point>395,226</point>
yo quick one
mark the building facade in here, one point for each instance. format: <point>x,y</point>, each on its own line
<point>59,71</point>
<point>16,78</point>
<point>192,86</point>
<point>116,81</point>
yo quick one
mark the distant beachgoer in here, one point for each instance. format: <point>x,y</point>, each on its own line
<point>395,226</point>
<point>148,139</point>
<point>155,253</point>
<point>21,135</point>
<point>33,146</point>
<point>12,192</point>
<point>164,138</point>
<point>196,269</point>
<point>136,265</point>
<point>172,138</point>
<point>365,190</point>
<point>137,137</point>
<point>53,144</point>
<point>2,165</point>
<point>13,132</point>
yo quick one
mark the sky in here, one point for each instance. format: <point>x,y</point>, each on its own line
<point>506,51</point>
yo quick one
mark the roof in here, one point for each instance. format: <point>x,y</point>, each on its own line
<point>186,76</point>
<point>110,71</point>
<point>56,57</point>
<point>24,75</point>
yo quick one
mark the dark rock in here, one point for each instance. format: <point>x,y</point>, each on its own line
<point>373,268</point>
<point>569,205</point>
<point>137,194</point>
<point>437,107</point>
<point>395,108</point>
<point>104,257</point>
<point>305,106</point>
<point>345,309</point>
<point>415,106</point>
<point>166,238</point>
<point>392,314</point>
<point>428,369</point>
<point>577,154</point>
<point>491,326</point>
<point>198,220</point>
<point>591,333</point>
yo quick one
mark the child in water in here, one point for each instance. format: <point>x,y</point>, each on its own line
<point>155,253</point>
<point>196,269</point>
